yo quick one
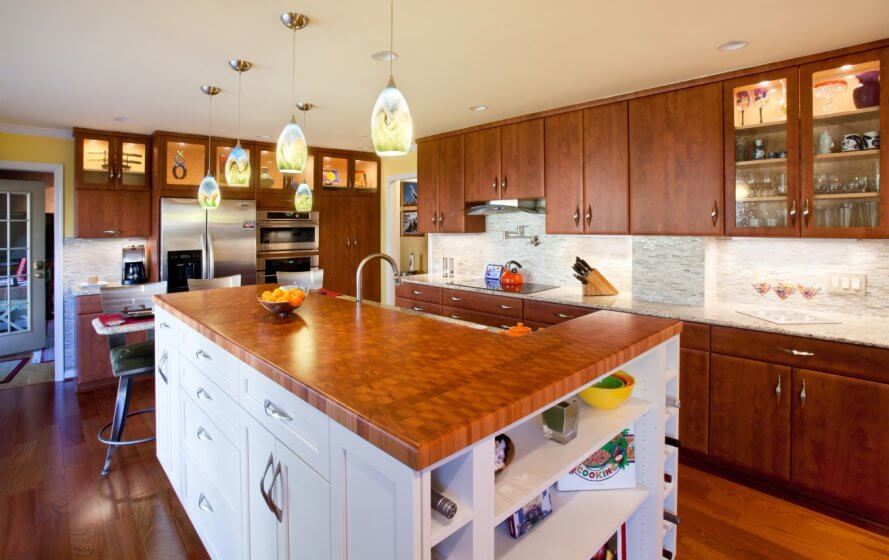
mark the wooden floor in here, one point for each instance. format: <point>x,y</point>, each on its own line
<point>54,504</point>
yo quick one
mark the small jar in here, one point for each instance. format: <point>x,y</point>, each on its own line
<point>560,422</point>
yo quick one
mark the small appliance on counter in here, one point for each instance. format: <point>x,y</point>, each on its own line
<point>133,265</point>
<point>511,275</point>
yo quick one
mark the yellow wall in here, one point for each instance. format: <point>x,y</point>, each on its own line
<point>403,165</point>
<point>42,149</point>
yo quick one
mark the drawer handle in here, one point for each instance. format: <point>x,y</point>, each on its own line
<point>505,327</point>
<point>203,394</point>
<point>802,394</point>
<point>416,292</point>
<point>677,403</point>
<point>417,308</point>
<point>204,504</point>
<point>563,316</point>
<point>501,306</point>
<point>778,389</point>
<point>456,317</point>
<point>160,367</point>
<point>164,325</point>
<point>275,412</point>
<point>201,355</point>
<point>794,352</point>
<point>204,435</point>
<point>455,298</point>
<point>267,494</point>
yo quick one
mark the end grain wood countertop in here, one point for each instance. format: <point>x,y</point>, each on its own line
<point>418,388</point>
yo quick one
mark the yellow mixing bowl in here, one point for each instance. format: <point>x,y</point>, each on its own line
<point>605,394</point>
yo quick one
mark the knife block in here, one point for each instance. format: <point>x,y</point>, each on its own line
<point>598,285</point>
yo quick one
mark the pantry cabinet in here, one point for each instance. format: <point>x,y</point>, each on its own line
<point>441,204</point>
<point>843,112</point>
<point>840,444</point>
<point>676,170</point>
<point>750,415</point>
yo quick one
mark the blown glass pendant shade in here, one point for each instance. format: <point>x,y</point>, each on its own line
<point>237,168</point>
<point>302,200</point>
<point>391,127</point>
<point>292,151</point>
<point>209,195</point>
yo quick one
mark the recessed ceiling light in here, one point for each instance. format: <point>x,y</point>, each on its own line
<point>735,45</point>
<point>123,119</point>
<point>479,108</point>
<point>263,136</point>
<point>846,67</point>
<point>384,56</point>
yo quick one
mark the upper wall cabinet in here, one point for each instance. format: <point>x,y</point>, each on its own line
<point>676,162</point>
<point>349,173</point>
<point>440,171</point>
<point>843,115</point>
<point>762,154</point>
<point>481,165</point>
<point>275,190</point>
<point>521,160</point>
<point>112,161</point>
<point>180,163</point>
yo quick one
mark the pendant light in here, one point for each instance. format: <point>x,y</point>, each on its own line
<point>303,198</point>
<point>391,128</point>
<point>292,151</point>
<point>237,166</point>
<point>209,195</point>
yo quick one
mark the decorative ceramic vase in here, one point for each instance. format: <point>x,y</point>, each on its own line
<point>867,94</point>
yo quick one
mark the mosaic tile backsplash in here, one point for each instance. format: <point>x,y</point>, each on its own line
<point>678,270</point>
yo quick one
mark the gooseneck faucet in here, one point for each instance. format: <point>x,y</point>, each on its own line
<point>366,260</point>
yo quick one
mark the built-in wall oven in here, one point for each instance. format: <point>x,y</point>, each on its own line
<point>269,266</point>
<point>280,231</point>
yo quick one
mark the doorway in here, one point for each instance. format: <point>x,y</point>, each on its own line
<point>31,235</point>
<point>400,238</point>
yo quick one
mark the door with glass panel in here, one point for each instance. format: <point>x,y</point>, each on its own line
<point>22,268</point>
<point>843,117</point>
<point>762,154</point>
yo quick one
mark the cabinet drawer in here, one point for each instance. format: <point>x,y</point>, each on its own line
<point>293,421</point>
<point>167,325</point>
<point>490,319</point>
<point>695,336</point>
<point>217,521</point>
<point>429,294</point>
<point>209,397</point>
<point>865,362</point>
<point>498,305</point>
<point>216,453</point>
<point>552,313</point>
<point>415,305</point>
<point>212,360</point>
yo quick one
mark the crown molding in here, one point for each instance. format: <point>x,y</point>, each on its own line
<point>64,133</point>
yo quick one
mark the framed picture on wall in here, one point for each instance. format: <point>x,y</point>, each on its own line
<point>409,194</point>
<point>409,223</point>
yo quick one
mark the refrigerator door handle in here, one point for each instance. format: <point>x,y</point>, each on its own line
<point>204,266</point>
<point>212,260</point>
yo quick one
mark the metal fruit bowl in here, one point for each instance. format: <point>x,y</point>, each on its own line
<point>283,308</point>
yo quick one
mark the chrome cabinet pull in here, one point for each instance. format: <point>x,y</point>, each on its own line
<point>505,327</point>
<point>203,394</point>
<point>164,325</point>
<point>806,209</point>
<point>440,218</point>
<point>494,184</point>
<point>589,214</point>
<point>275,412</point>
<point>792,210</point>
<point>417,308</point>
<point>456,317</point>
<point>577,215</point>
<point>563,316</point>
<point>434,218</point>
<point>201,355</point>
<point>778,388</point>
<point>416,292</point>
<point>503,185</point>
<point>455,298</point>
<point>714,214</point>
<point>802,393</point>
<point>355,241</point>
<point>279,513</point>
<point>204,434</point>
<point>204,504</point>
<point>160,367</point>
<point>266,494</point>
<point>110,231</point>
<point>501,306</point>
<point>347,241</point>
<point>794,352</point>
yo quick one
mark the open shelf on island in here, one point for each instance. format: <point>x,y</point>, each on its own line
<point>581,522</point>
<point>834,196</point>
<point>847,114</point>
<point>539,462</point>
<point>847,155</point>
<point>761,162</point>
<point>443,527</point>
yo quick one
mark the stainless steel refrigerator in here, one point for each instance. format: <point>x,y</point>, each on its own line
<point>198,243</point>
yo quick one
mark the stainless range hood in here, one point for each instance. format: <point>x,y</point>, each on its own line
<point>512,206</point>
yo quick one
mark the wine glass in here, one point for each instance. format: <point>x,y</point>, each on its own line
<point>760,99</point>
<point>827,89</point>
<point>742,101</point>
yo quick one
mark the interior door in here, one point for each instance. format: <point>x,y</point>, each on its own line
<point>22,267</point>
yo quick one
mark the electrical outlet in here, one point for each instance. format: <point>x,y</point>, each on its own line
<point>846,283</point>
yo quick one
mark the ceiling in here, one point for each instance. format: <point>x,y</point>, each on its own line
<point>88,62</point>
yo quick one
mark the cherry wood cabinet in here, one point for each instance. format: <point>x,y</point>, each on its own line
<point>220,150</point>
<point>543,312</point>
<point>440,208</point>
<point>521,160</point>
<point>420,306</point>
<point>694,396</point>
<point>93,350</point>
<point>486,303</point>
<point>840,443</point>
<point>365,220</point>
<point>841,194</point>
<point>676,175</point>
<point>180,163</point>
<point>563,172</point>
<point>606,172</point>
<point>750,415</point>
<point>104,213</point>
<point>428,154</point>
<point>481,165</point>
<point>111,160</point>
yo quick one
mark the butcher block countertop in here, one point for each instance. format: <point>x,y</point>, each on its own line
<point>416,387</point>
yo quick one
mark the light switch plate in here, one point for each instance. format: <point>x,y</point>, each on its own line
<point>846,283</point>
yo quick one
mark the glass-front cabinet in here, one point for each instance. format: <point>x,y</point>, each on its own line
<point>133,156</point>
<point>364,176</point>
<point>843,117</point>
<point>335,174</point>
<point>233,173</point>
<point>109,161</point>
<point>182,162</point>
<point>762,154</point>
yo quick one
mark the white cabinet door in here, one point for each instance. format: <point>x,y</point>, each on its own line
<point>305,531</point>
<point>259,463</point>
<point>375,501</point>
<point>165,397</point>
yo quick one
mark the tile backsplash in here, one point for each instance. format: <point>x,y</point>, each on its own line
<point>679,270</point>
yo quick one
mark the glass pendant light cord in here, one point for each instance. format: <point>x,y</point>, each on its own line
<point>391,36</point>
<point>293,78</point>
<point>210,136</point>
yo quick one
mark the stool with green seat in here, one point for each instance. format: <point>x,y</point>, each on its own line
<point>128,361</point>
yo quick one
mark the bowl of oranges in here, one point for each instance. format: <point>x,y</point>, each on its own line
<point>284,300</point>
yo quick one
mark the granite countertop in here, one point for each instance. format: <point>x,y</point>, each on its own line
<point>92,290</point>
<point>418,388</point>
<point>867,331</point>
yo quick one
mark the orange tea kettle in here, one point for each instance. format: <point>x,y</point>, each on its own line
<point>511,275</point>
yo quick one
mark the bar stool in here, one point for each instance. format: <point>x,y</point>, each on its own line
<point>312,279</point>
<point>196,284</point>
<point>128,361</point>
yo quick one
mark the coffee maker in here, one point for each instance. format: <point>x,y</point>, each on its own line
<point>133,265</point>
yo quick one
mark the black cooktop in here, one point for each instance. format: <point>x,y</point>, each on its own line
<point>494,285</point>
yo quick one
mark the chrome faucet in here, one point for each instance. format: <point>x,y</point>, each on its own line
<point>366,260</point>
